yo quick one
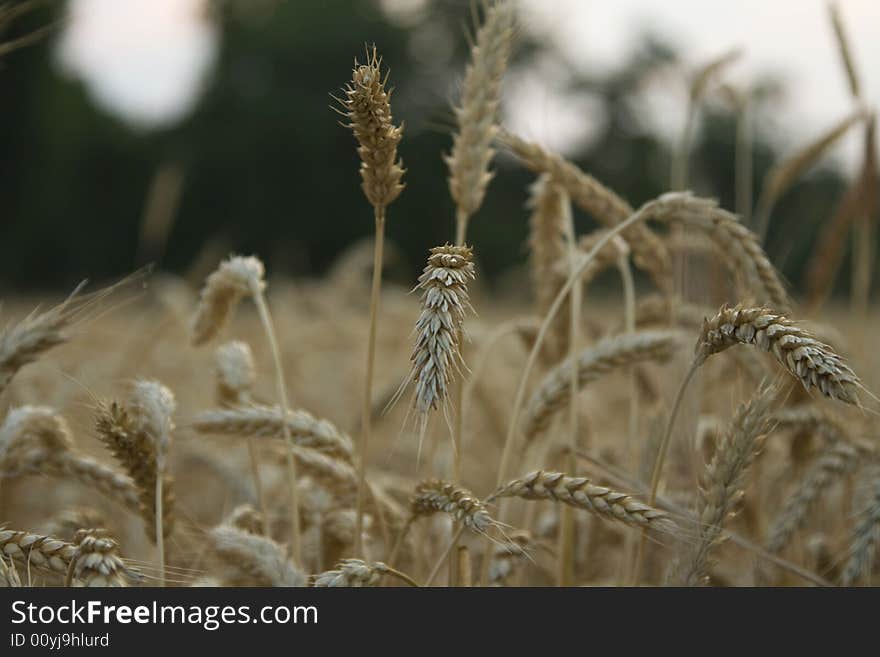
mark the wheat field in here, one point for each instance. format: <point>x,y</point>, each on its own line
<point>691,423</point>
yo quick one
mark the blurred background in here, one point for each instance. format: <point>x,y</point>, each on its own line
<point>177,131</point>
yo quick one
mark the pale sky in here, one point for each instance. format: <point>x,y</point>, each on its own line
<point>147,60</point>
<point>791,38</point>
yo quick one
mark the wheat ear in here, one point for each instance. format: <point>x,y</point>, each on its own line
<point>724,482</point>
<point>251,560</point>
<point>593,363</point>
<point>581,493</point>
<point>96,562</point>
<point>476,114</point>
<point>368,109</point>
<point>837,460</point>
<point>866,533</point>
<point>358,573</point>
<point>649,252</point>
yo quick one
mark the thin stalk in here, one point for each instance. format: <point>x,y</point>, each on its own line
<point>565,574</point>
<point>258,483</point>
<point>445,556</point>
<point>366,410</point>
<point>160,537</point>
<point>629,322</point>
<point>659,460</point>
<point>681,159</point>
<point>507,452</point>
<point>458,421</point>
<point>402,576</point>
<point>743,161</point>
<point>266,319</point>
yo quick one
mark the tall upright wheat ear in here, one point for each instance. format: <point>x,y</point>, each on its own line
<point>367,107</point>
<point>237,277</point>
<point>476,114</point>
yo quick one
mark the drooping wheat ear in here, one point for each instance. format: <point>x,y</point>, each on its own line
<point>437,496</point>
<point>68,522</point>
<point>96,562</point>
<point>476,113</point>
<point>741,246</point>
<point>649,252</point>
<point>581,493</point>
<point>866,533</point>
<point>265,421</point>
<point>813,363</point>
<point>724,482</point>
<point>593,363</point>
<point>358,573</point>
<point>118,431</point>
<point>246,518</point>
<point>28,428</point>
<point>27,340</point>
<point>36,440</point>
<point>92,474</point>
<point>36,550</point>
<point>250,560</point>
<point>236,374</point>
<point>339,475</point>
<point>367,107</point>
<point>437,352</point>
<point>836,461</point>
<point>547,253</point>
<point>234,279</point>
<point>782,175</point>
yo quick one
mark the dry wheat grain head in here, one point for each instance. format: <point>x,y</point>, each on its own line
<point>581,493</point>
<point>592,364</point>
<point>265,421</point>
<point>246,559</point>
<point>437,352</point>
<point>357,573</point>
<point>236,278</point>
<point>813,363</point>
<point>476,113</point>
<point>724,483</point>
<point>434,495</point>
<point>96,562</point>
<point>235,373</point>
<point>367,107</point>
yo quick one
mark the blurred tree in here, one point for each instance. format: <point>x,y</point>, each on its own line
<point>264,167</point>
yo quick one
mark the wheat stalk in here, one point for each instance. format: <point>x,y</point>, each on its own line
<point>38,550</point>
